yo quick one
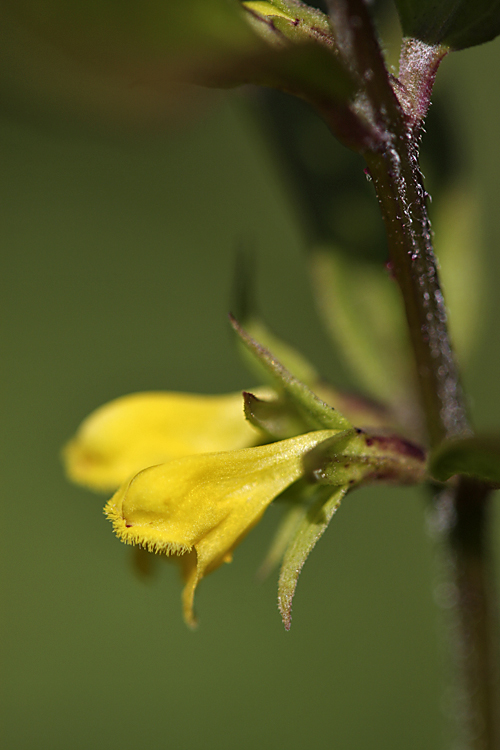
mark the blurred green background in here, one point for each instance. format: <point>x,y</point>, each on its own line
<point>118,253</point>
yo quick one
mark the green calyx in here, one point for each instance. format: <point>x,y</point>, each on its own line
<point>353,457</point>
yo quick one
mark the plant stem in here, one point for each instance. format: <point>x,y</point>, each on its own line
<point>460,518</point>
<point>463,508</point>
<point>402,198</point>
<point>393,165</point>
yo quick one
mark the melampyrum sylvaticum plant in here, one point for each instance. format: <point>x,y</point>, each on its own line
<point>192,475</point>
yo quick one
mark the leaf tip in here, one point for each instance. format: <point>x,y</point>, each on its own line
<point>285,608</point>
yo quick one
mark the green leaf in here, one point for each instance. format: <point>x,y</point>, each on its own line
<point>353,457</point>
<point>267,9</point>
<point>477,457</point>
<point>307,532</point>
<point>316,414</point>
<point>294,20</point>
<point>455,23</point>
<point>362,310</point>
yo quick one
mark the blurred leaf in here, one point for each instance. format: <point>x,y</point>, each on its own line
<point>459,250</point>
<point>306,534</point>
<point>155,45</point>
<point>324,178</point>
<point>353,456</point>
<point>456,23</point>
<point>307,70</point>
<point>153,26</point>
<point>477,457</point>
<point>361,308</point>
<point>245,308</point>
<point>315,413</point>
<point>118,60</point>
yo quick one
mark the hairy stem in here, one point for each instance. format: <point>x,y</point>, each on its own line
<point>460,520</point>
<point>393,164</point>
<point>402,198</point>
<point>464,508</point>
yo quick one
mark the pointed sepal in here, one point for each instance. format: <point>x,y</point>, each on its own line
<point>308,531</point>
<point>316,413</point>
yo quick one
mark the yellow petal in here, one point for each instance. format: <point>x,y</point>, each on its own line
<point>133,432</point>
<point>202,506</point>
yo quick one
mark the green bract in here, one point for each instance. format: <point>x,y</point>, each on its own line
<point>309,527</point>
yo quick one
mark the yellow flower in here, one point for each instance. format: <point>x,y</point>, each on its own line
<point>192,477</point>
<point>200,507</point>
<point>133,432</point>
